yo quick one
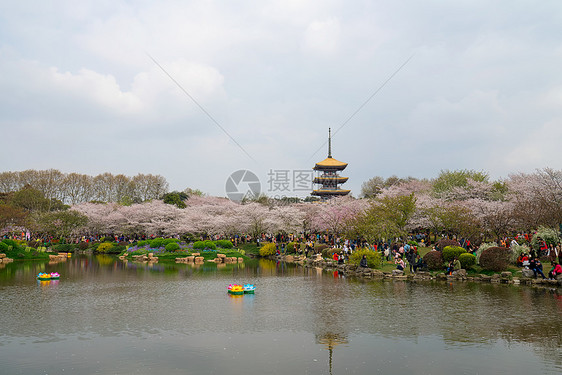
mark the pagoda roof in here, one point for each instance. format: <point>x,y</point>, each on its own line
<point>330,163</point>
<point>330,192</point>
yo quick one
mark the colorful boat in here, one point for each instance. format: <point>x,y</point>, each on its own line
<point>55,276</point>
<point>249,288</point>
<point>44,276</point>
<point>235,289</point>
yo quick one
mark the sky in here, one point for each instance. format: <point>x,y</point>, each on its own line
<point>196,90</point>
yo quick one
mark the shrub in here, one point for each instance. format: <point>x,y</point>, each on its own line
<point>495,259</point>
<point>83,245</point>
<point>64,248</point>
<point>320,248</point>
<point>434,260</point>
<point>3,247</point>
<point>172,246</point>
<point>199,245</point>
<point>143,243</point>
<point>413,243</point>
<point>291,247</point>
<point>373,258</point>
<point>517,250</point>
<point>224,244</point>
<point>12,243</point>
<point>169,240</point>
<point>549,235</point>
<point>34,244</point>
<point>484,246</point>
<point>203,245</point>
<point>451,252</point>
<point>117,249</point>
<point>210,245</point>
<point>443,243</point>
<point>104,247</point>
<point>467,260</point>
<point>157,242</point>
<point>268,249</point>
<point>329,252</point>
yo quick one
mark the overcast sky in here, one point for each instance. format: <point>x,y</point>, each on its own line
<point>79,92</point>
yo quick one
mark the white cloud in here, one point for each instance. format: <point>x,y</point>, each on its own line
<point>482,90</point>
<point>322,37</point>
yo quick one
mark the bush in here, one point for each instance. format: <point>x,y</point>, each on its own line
<point>199,245</point>
<point>268,249</point>
<point>328,252</point>
<point>104,247</point>
<point>116,249</point>
<point>169,240</point>
<point>3,247</point>
<point>373,258</point>
<point>413,243</point>
<point>495,259</point>
<point>210,245</point>
<point>156,243</point>
<point>517,250</point>
<point>64,248</point>
<point>224,244</point>
<point>451,252</point>
<point>484,246</point>
<point>34,243</point>
<point>320,248</point>
<point>434,260</point>
<point>83,245</point>
<point>292,247</point>
<point>443,243</point>
<point>467,260</point>
<point>172,246</point>
<point>203,245</point>
<point>12,243</point>
<point>143,243</point>
<point>548,235</point>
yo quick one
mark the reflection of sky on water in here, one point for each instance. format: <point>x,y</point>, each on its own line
<point>170,315</point>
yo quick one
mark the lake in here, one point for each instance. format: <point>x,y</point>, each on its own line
<point>106,316</point>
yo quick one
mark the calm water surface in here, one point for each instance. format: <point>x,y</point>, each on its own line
<point>105,316</point>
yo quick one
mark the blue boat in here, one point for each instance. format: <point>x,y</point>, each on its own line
<point>249,289</point>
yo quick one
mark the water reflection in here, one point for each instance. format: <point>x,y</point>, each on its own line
<point>297,315</point>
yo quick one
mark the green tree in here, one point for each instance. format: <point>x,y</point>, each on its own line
<point>10,215</point>
<point>447,180</point>
<point>386,217</point>
<point>176,198</point>
<point>60,224</point>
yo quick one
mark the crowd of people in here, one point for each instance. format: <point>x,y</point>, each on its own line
<point>403,254</point>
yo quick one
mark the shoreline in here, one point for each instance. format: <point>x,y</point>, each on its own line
<point>351,270</point>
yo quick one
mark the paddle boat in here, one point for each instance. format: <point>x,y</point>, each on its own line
<point>235,289</point>
<point>44,276</point>
<point>55,276</point>
<point>249,288</point>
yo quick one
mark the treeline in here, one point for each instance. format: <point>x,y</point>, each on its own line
<point>75,188</point>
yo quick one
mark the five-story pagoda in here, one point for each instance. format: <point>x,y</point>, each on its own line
<point>329,178</point>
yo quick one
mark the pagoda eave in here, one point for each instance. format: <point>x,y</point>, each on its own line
<point>322,180</point>
<point>329,167</point>
<point>330,192</point>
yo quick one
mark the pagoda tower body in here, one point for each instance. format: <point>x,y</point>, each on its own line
<point>329,178</point>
